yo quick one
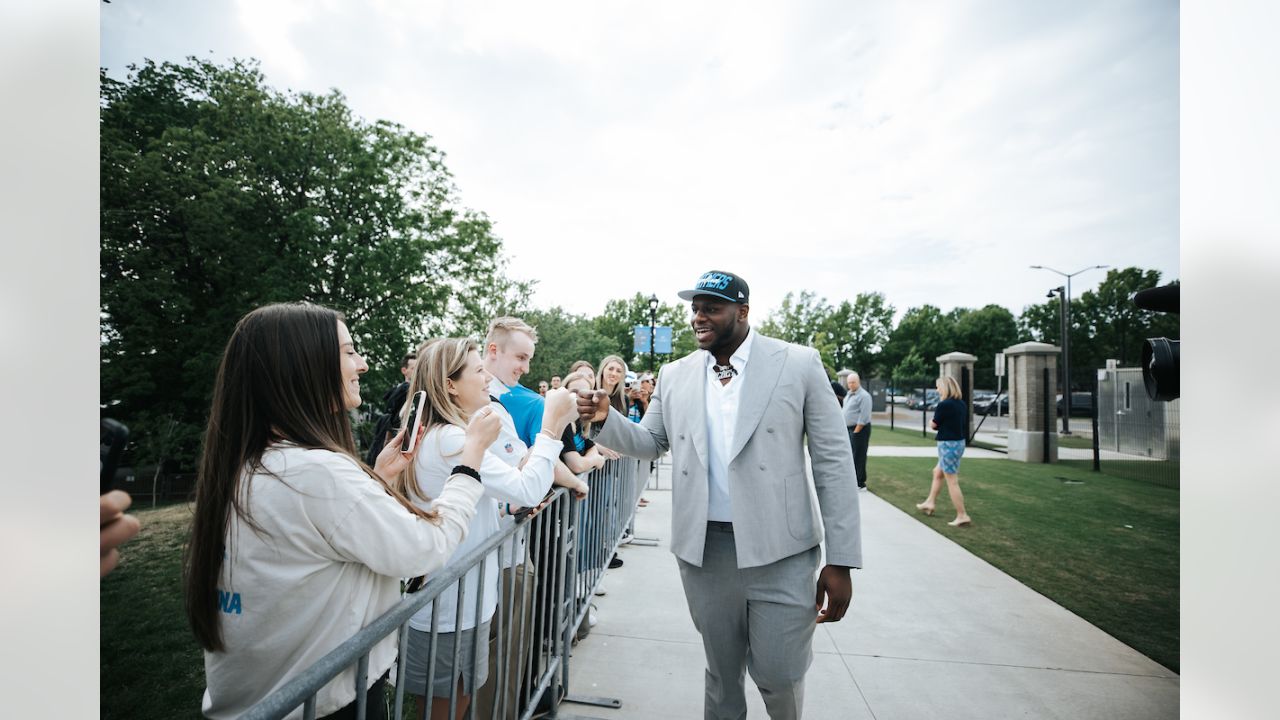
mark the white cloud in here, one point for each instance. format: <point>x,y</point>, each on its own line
<point>929,151</point>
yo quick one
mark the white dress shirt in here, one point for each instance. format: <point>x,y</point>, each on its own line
<point>722,420</point>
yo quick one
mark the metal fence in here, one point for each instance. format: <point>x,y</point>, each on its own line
<point>1138,437</point>
<point>557,557</point>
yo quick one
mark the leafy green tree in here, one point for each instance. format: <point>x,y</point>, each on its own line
<point>563,338</point>
<point>854,334</point>
<point>1105,323</point>
<point>924,329</point>
<point>799,320</point>
<point>985,332</point>
<point>220,194</point>
<point>620,317</point>
<point>912,368</point>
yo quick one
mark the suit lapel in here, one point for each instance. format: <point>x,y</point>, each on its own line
<point>763,371</point>
<point>698,396</point>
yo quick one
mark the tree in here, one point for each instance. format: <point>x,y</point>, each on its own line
<point>985,332</point>
<point>562,339</point>
<point>854,334</point>
<point>621,315</point>
<point>1105,323</point>
<point>924,330</point>
<point>912,367</point>
<point>220,194</point>
<point>799,320</point>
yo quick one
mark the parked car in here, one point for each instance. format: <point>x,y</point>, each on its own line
<point>928,401</point>
<point>991,405</point>
<point>1081,404</point>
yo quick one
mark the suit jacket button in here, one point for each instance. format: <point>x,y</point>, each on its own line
<point>681,436</point>
<point>761,467</point>
<point>685,471</point>
<point>770,429</point>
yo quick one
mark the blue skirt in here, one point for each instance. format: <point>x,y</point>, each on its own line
<point>949,453</point>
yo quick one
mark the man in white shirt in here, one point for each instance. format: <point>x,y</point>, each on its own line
<point>747,519</point>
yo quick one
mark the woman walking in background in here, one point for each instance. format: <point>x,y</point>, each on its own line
<point>949,420</point>
<point>295,544</point>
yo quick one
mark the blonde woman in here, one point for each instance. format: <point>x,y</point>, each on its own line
<point>452,374</point>
<point>949,420</point>
<point>613,370</point>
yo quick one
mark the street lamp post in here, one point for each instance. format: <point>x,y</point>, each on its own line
<point>1061,293</point>
<point>1066,339</point>
<point>653,318</point>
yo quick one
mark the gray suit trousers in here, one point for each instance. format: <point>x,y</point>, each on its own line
<point>758,620</point>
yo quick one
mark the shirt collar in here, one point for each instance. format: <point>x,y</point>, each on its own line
<point>740,356</point>
<point>497,388</point>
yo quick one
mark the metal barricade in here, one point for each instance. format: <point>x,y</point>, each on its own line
<point>548,564</point>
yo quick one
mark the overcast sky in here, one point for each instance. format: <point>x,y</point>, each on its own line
<point>929,151</point>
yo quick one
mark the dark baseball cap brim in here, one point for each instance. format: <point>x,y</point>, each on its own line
<point>691,294</point>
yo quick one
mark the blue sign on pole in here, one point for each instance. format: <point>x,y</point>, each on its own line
<point>661,339</point>
<point>642,339</point>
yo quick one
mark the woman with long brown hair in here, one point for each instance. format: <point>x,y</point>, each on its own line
<point>296,544</point>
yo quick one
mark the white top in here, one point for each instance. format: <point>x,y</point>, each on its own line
<point>502,484</point>
<point>329,562</point>
<point>722,421</point>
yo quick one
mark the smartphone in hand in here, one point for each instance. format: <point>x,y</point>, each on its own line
<point>413,422</point>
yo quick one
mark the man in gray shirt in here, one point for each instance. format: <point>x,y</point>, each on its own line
<point>857,415</point>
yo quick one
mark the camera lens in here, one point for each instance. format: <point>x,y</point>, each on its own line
<point>1160,368</point>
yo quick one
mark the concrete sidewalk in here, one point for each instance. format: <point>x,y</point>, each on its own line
<point>934,632</point>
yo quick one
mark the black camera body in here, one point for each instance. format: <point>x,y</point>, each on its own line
<point>1160,355</point>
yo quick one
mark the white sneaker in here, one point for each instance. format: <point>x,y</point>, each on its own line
<point>591,619</point>
<point>626,539</point>
<point>600,588</point>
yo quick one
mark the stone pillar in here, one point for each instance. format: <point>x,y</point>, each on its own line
<point>951,365</point>
<point>1026,364</point>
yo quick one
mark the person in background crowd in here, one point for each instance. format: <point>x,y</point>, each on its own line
<point>839,390</point>
<point>542,388</point>
<point>613,371</point>
<point>857,416</point>
<point>452,374</point>
<point>555,382</point>
<point>510,344</point>
<point>577,365</point>
<point>737,415</point>
<point>637,403</point>
<point>392,402</point>
<point>582,456</point>
<point>295,544</point>
<point>509,347</point>
<point>949,419</point>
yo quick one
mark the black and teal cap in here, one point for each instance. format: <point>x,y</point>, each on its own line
<point>720,284</point>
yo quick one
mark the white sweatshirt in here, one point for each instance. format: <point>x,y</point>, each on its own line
<point>502,484</point>
<point>330,561</point>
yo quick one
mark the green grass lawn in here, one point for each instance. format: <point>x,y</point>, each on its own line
<point>1079,442</point>
<point>150,665</point>
<point>1105,548</point>
<point>900,437</point>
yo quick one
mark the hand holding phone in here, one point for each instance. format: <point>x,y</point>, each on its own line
<point>409,440</point>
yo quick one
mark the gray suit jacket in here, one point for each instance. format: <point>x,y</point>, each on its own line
<point>778,510</point>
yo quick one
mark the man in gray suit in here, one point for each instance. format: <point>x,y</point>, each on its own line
<point>747,520</point>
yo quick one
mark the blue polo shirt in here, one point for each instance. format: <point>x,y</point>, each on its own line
<point>525,407</point>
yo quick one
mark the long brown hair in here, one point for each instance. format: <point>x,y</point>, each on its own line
<point>280,378</point>
<point>439,360</point>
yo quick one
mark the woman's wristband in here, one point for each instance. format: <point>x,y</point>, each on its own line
<point>466,470</point>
